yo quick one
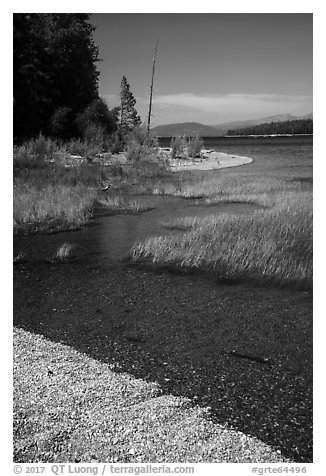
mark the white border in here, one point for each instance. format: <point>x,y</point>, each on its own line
<point>319,200</point>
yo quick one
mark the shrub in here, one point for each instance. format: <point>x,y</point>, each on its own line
<point>77,147</point>
<point>87,148</point>
<point>43,147</point>
<point>115,144</point>
<point>23,155</point>
<point>178,146</point>
<point>134,152</point>
<point>95,138</point>
<point>194,146</point>
<point>141,145</point>
<point>141,136</point>
<point>35,151</point>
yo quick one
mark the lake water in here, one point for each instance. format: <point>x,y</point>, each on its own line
<point>108,238</point>
<point>289,157</point>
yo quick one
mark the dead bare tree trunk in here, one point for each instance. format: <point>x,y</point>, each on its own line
<point>151,94</point>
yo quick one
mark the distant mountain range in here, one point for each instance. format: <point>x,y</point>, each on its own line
<point>192,128</point>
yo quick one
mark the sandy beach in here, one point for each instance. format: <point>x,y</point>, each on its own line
<point>210,161</point>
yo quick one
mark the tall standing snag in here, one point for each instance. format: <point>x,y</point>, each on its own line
<point>151,94</point>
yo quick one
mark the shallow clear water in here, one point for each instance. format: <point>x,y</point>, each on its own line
<point>109,238</point>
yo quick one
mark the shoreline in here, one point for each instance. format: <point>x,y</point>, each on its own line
<point>185,366</point>
<point>212,161</point>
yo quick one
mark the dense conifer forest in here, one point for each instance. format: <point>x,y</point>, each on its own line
<point>299,126</point>
<point>55,74</point>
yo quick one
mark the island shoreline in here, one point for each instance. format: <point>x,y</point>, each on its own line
<point>210,161</point>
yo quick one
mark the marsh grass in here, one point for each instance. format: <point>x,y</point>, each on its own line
<point>51,197</point>
<point>19,258</point>
<point>48,196</point>
<point>217,188</point>
<point>51,207</point>
<point>123,203</point>
<point>146,169</point>
<point>64,252</point>
<point>43,173</point>
<point>271,245</point>
<point>35,151</point>
<point>144,176</point>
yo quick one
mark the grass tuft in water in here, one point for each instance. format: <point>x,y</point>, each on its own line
<point>123,204</point>
<point>267,245</point>
<point>19,257</point>
<point>64,252</point>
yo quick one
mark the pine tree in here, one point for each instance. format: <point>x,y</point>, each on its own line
<point>55,74</point>
<point>129,118</point>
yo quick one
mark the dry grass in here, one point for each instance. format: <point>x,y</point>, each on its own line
<point>272,244</point>
<point>64,252</point>
<point>19,257</point>
<point>236,187</point>
<point>48,196</point>
<point>51,206</point>
<point>122,203</point>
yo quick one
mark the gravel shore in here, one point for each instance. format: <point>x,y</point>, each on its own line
<point>125,365</point>
<point>212,161</point>
<point>72,408</point>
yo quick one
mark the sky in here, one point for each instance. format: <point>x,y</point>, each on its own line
<point>210,67</point>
